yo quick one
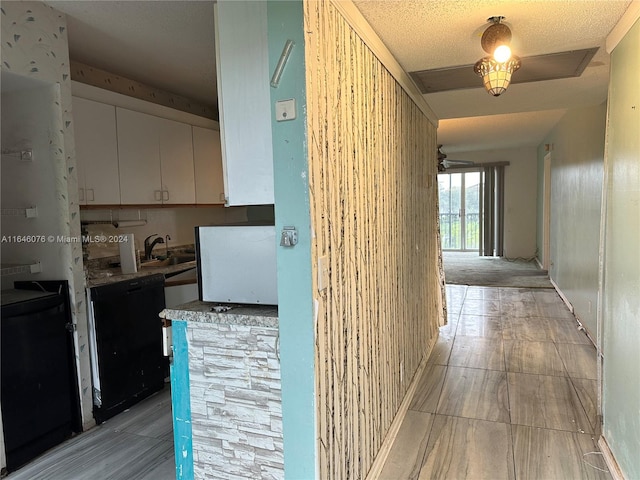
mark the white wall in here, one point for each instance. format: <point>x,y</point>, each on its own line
<point>177,222</point>
<point>621,298</point>
<point>576,193</point>
<point>520,196</point>
<point>30,122</point>
<point>34,45</point>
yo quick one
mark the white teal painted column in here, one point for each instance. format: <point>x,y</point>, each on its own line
<point>181,402</point>
<point>292,208</point>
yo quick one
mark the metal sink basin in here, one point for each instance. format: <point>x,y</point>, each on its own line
<point>167,262</point>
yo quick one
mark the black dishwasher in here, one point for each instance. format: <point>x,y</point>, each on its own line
<point>39,392</point>
<point>125,334</point>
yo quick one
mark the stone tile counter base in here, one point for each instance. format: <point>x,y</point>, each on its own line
<point>235,397</point>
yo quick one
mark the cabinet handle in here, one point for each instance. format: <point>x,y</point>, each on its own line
<point>157,194</point>
<point>165,198</point>
<point>81,194</point>
<point>90,198</point>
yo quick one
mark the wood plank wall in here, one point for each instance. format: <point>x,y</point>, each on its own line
<point>373,194</point>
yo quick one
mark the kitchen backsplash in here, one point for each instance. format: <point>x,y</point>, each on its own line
<point>178,223</point>
<point>105,263</point>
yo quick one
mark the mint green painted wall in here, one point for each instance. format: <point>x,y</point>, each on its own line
<point>576,195</point>
<point>295,309</point>
<point>621,296</point>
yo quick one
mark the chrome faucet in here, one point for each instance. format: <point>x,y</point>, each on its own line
<point>166,244</point>
<point>148,247</point>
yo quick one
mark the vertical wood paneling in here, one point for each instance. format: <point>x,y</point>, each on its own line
<point>372,171</point>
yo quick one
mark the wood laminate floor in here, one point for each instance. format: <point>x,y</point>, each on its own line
<point>134,445</point>
<point>509,392</point>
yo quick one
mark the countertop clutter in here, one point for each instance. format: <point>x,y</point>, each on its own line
<point>207,312</point>
<point>180,260</point>
<point>104,276</point>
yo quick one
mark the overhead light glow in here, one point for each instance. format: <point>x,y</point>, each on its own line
<point>502,53</point>
<point>496,69</point>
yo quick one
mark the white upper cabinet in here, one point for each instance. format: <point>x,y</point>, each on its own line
<point>207,159</point>
<point>176,162</point>
<point>96,152</point>
<point>156,160</point>
<point>139,158</point>
<point>242,62</point>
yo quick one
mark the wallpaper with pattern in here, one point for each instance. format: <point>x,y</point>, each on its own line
<point>34,44</point>
<point>373,195</point>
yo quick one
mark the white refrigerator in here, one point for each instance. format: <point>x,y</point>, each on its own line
<point>237,264</point>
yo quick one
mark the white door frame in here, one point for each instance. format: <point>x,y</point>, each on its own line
<point>463,220</point>
<point>546,213</point>
<point>462,212</point>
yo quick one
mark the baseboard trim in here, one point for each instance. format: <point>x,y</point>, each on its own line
<point>609,459</point>
<point>582,326</point>
<point>564,299</point>
<point>590,336</point>
<point>539,263</point>
<point>394,428</point>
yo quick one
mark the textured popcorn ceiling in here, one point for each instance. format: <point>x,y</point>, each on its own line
<point>164,44</point>
<point>424,34</point>
<point>170,45</point>
<point>429,34</point>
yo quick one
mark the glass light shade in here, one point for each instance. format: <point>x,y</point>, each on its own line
<point>502,53</point>
<point>496,76</point>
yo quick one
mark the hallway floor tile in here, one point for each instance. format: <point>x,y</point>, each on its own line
<point>468,448</point>
<point>509,391</point>
<point>533,357</point>
<point>475,393</point>
<point>477,326</point>
<point>547,402</point>
<point>552,454</point>
<point>579,360</point>
<point>429,388</point>
<point>477,352</point>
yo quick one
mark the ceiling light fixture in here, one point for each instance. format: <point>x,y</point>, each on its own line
<point>497,68</point>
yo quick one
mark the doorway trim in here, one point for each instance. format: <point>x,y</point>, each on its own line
<point>462,211</point>
<point>546,213</point>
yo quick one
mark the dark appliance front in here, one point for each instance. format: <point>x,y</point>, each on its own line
<point>40,402</point>
<point>128,343</point>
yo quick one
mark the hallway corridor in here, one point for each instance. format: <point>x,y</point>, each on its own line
<point>509,391</point>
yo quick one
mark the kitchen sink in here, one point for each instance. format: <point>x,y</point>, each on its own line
<point>167,262</point>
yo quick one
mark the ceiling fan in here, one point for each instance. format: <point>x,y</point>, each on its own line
<point>444,163</point>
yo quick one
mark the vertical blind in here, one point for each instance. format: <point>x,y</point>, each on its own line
<point>492,235</point>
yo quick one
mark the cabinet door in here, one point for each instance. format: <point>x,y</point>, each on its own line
<point>207,159</point>
<point>176,160</point>
<point>138,158</point>
<point>96,152</point>
<point>242,65</point>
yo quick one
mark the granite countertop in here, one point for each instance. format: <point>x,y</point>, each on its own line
<point>113,275</point>
<point>11,296</point>
<point>249,315</point>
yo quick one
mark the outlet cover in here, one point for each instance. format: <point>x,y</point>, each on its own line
<point>285,110</point>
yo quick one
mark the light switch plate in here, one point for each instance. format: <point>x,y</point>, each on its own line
<point>285,110</point>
